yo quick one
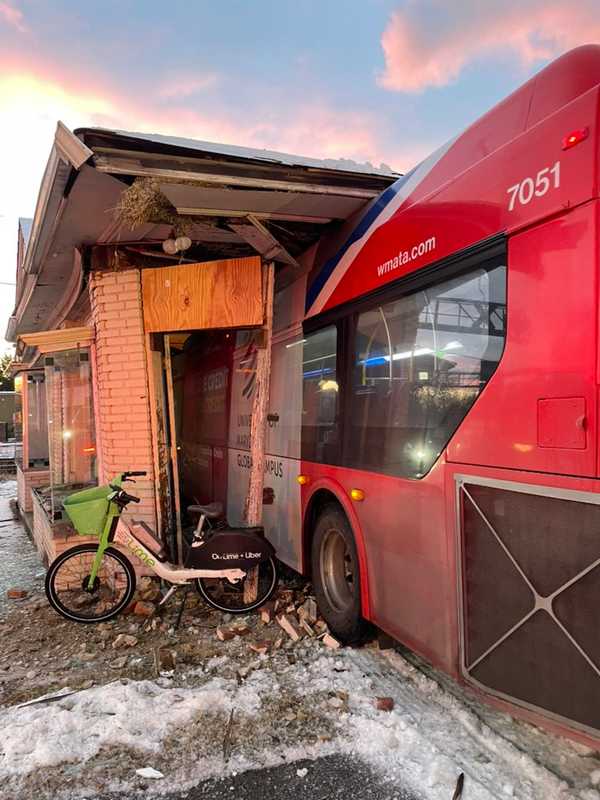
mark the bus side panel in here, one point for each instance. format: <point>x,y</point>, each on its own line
<point>401,522</point>
<point>282,512</point>
<point>538,411</point>
<point>282,516</point>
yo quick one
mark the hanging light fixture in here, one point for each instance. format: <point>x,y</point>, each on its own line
<point>169,246</point>
<point>183,243</point>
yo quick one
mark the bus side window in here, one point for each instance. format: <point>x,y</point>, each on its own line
<point>320,434</point>
<point>419,363</point>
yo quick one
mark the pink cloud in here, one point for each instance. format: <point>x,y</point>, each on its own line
<point>13,16</point>
<point>426,45</point>
<point>37,94</point>
<point>182,86</point>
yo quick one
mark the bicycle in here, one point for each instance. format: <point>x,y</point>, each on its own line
<point>233,569</point>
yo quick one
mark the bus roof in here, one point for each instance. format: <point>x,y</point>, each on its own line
<point>458,196</point>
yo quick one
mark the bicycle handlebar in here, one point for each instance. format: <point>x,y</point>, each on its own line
<point>121,497</point>
<point>128,498</point>
<point>136,473</point>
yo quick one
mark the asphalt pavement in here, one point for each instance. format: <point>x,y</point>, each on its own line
<point>334,777</point>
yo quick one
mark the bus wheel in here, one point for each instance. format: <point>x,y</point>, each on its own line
<point>336,575</point>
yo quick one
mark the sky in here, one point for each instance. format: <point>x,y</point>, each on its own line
<point>385,81</point>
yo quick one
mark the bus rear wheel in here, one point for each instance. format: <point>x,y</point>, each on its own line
<point>336,575</point>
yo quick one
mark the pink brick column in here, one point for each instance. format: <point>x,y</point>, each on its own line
<point>122,384</point>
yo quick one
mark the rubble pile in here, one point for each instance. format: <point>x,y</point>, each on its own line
<point>292,614</point>
<point>40,652</point>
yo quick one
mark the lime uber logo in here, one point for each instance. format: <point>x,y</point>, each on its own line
<point>134,548</point>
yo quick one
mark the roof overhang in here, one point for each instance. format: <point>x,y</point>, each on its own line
<point>68,153</point>
<point>57,341</point>
<point>236,201</point>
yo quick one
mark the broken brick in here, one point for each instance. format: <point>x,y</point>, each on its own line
<point>309,611</point>
<point>225,634</point>
<point>124,640</point>
<point>241,630</point>
<point>142,609</point>
<point>290,627</point>
<point>305,625</point>
<point>262,648</point>
<point>331,642</point>
<point>267,612</point>
<point>16,594</point>
<point>384,703</point>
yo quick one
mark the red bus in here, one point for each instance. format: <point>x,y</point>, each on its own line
<point>433,429</point>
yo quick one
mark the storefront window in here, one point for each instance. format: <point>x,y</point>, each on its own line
<point>71,433</point>
<point>17,420</point>
<point>29,425</point>
<point>36,424</point>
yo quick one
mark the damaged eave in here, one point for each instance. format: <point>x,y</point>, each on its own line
<point>235,201</point>
<point>68,153</point>
<point>128,166</point>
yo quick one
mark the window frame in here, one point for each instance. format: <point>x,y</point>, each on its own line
<point>345,317</point>
<point>340,378</point>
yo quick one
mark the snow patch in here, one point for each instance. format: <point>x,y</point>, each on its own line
<point>133,715</point>
<point>424,743</point>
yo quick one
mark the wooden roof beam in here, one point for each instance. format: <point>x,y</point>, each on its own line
<point>129,167</point>
<point>262,240</point>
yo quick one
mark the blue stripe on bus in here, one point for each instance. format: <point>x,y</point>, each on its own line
<point>319,282</point>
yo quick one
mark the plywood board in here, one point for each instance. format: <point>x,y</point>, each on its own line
<point>213,294</point>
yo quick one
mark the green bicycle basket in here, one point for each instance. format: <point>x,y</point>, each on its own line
<point>88,510</point>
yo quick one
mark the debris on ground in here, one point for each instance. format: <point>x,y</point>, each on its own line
<point>384,703</point>
<point>331,642</point>
<point>459,787</point>
<point>16,594</point>
<point>289,626</point>
<point>225,634</point>
<point>144,609</point>
<point>123,640</point>
<point>194,705</point>
<point>267,612</point>
<point>262,648</point>
<point>165,660</point>
<point>149,772</point>
<point>308,611</point>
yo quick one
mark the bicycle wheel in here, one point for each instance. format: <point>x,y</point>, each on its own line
<point>229,597</point>
<point>67,584</point>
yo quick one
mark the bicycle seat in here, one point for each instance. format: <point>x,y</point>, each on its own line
<point>211,511</point>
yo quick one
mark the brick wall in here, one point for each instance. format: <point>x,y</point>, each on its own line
<point>42,533</point>
<point>26,479</point>
<point>124,434</point>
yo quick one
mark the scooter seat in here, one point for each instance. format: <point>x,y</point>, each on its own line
<point>211,511</point>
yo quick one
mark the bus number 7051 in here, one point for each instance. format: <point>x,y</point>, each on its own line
<point>528,188</point>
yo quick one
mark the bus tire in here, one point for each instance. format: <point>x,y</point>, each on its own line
<point>336,575</point>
